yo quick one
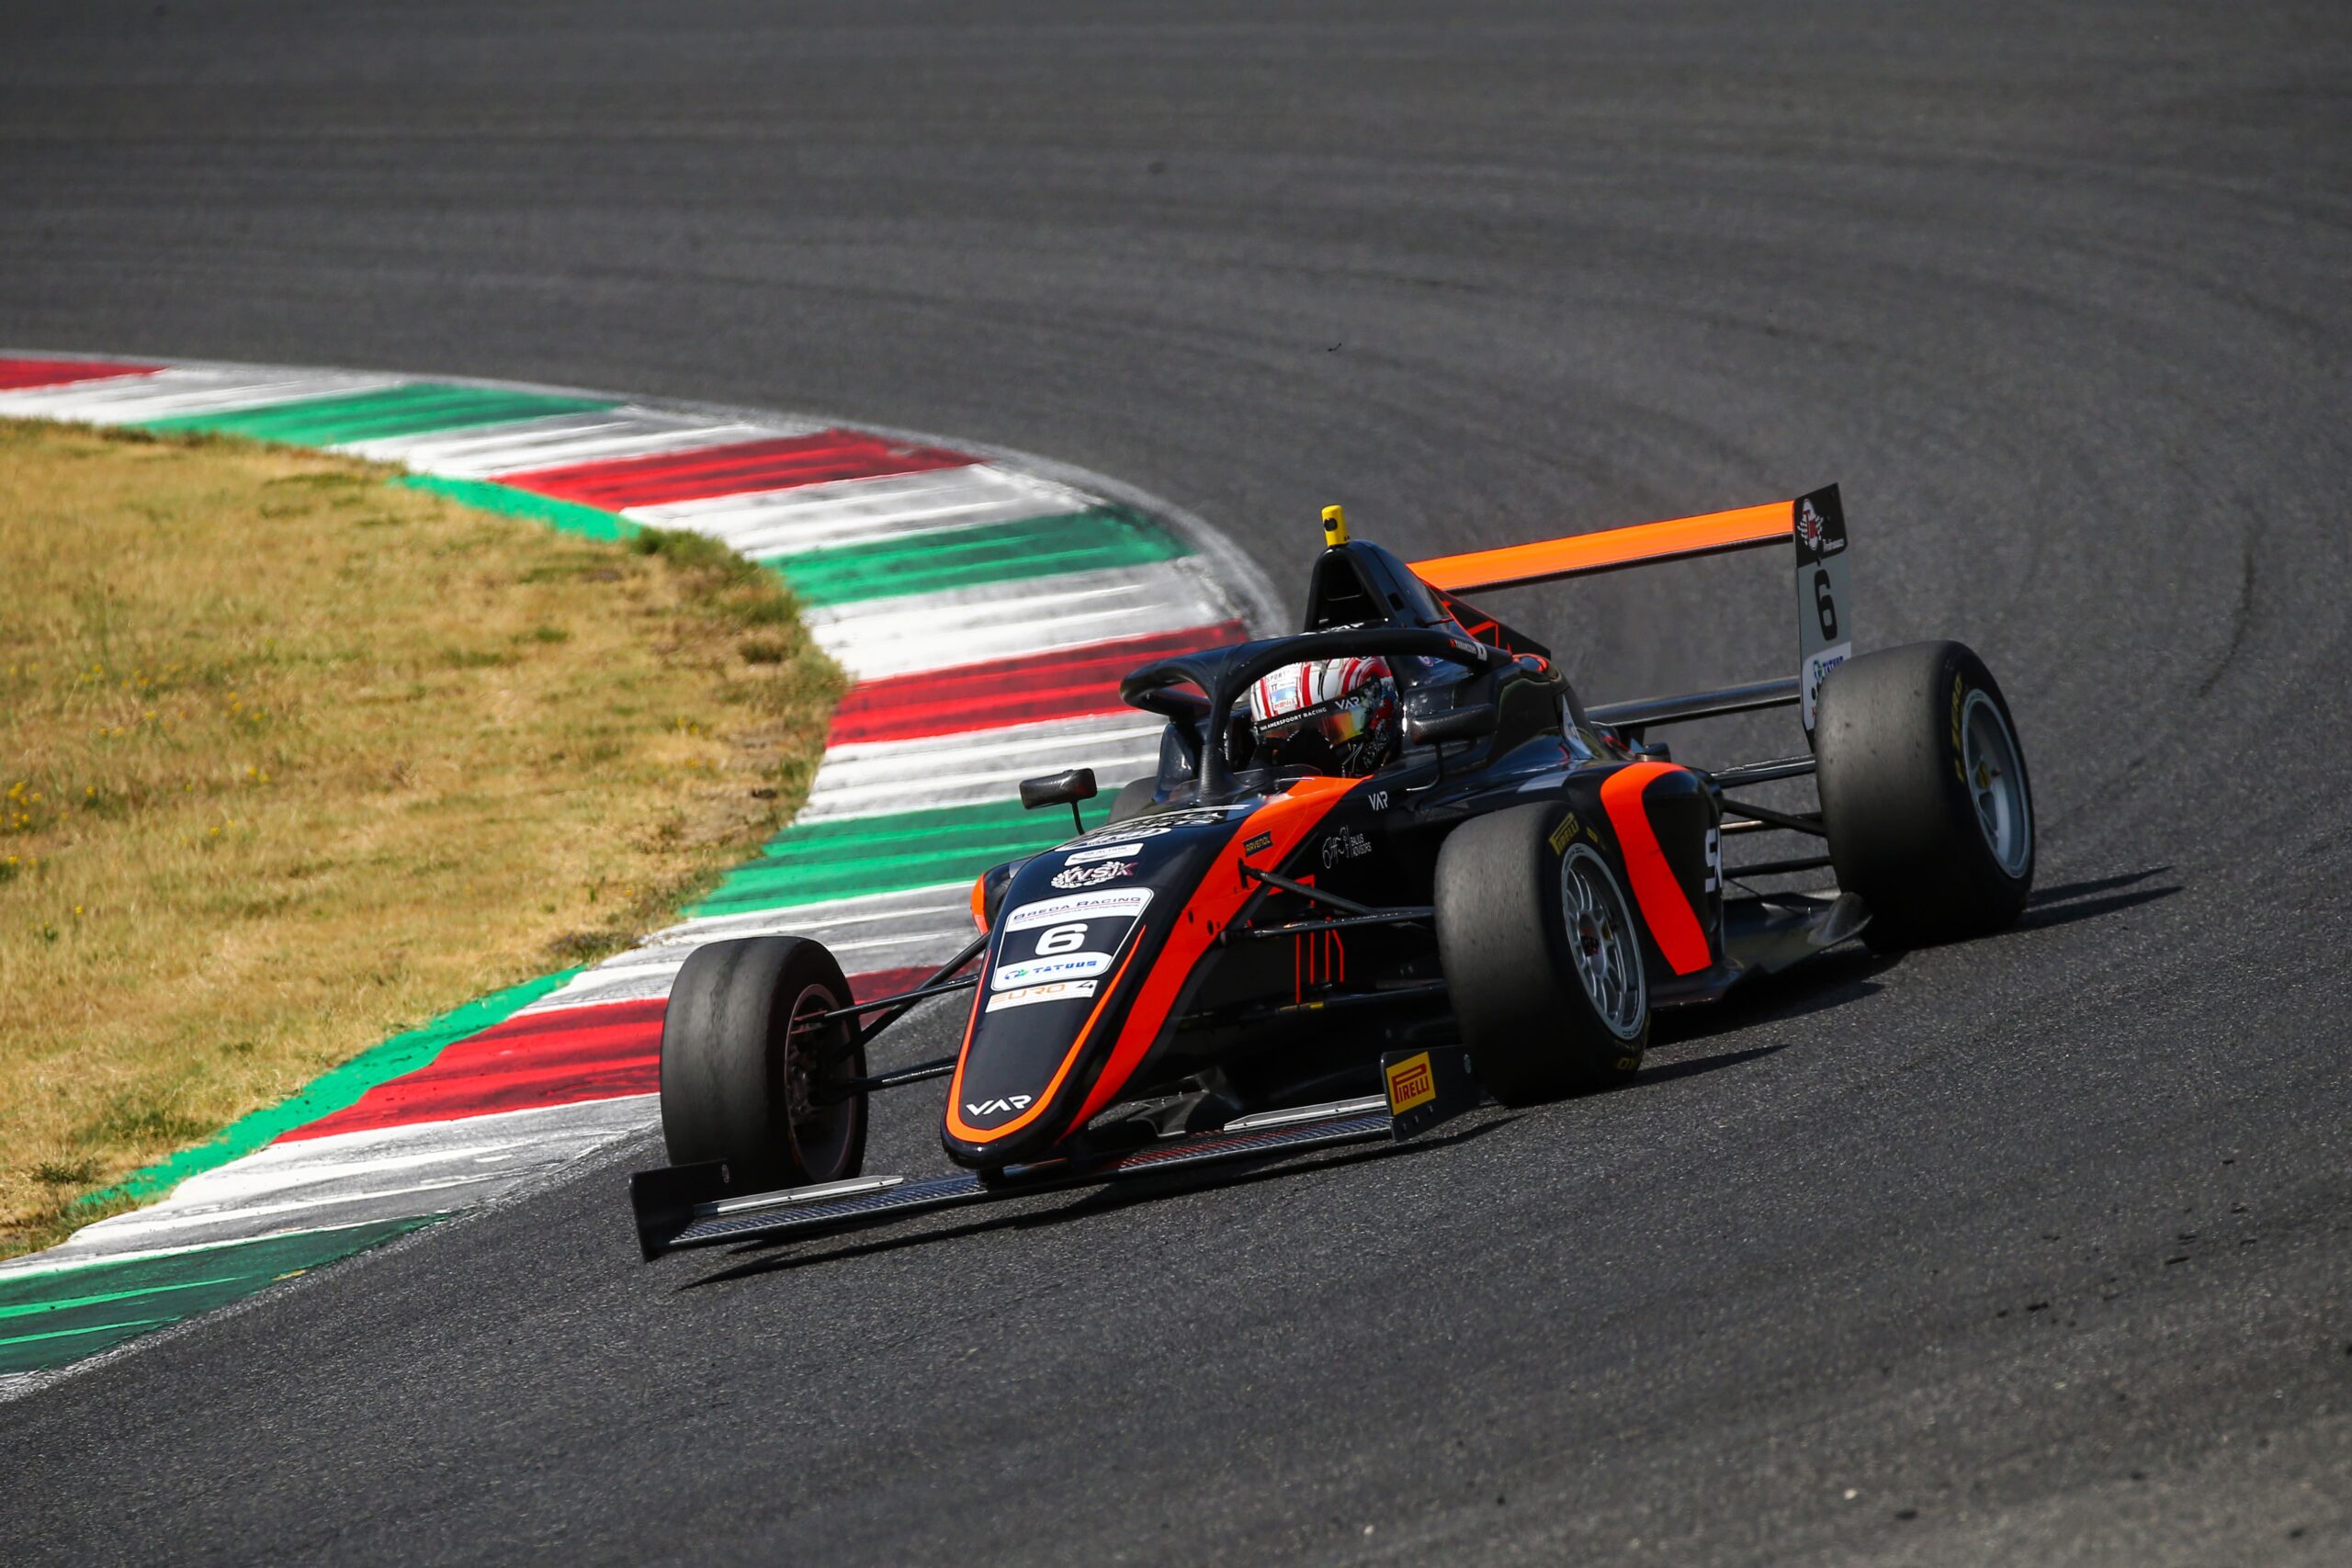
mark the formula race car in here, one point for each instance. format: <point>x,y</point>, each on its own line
<point>1387,866</point>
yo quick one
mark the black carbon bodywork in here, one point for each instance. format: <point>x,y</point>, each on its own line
<point>1148,958</point>
<point>1253,935</point>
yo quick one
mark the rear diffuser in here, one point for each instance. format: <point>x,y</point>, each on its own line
<point>698,1205</point>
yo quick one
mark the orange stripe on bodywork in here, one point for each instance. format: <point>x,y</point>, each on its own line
<point>1665,908</point>
<point>980,900</point>
<point>1580,555</point>
<point>971,1134</point>
<point>1289,817</point>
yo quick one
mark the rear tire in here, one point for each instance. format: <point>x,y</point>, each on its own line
<point>1542,956</point>
<point>1924,794</point>
<point>744,1068</point>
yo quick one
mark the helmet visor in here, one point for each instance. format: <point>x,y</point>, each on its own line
<point>1348,719</point>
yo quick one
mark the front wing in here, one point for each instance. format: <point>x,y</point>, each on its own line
<point>697,1205</point>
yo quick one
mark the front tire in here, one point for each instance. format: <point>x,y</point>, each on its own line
<point>748,1075</point>
<point>1924,794</point>
<point>1542,956</point>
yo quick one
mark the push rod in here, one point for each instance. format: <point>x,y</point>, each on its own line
<point>904,998</point>
<point>896,1008</point>
<point>1777,818</point>
<point>1775,867</point>
<point>1761,772</point>
<point>1347,922</point>
<point>1303,891</point>
<point>919,1072</point>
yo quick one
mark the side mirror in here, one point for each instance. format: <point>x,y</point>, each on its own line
<point>1461,723</point>
<point>1060,789</point>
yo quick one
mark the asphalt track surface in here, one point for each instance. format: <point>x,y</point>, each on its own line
<point>2033,1250</point>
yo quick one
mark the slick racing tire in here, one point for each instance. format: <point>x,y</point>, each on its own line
<point>1924,794</point>
<point>745,1069</point>
<point>1542,957</point>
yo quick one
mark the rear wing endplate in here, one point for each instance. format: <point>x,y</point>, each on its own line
<point>1814,523</point>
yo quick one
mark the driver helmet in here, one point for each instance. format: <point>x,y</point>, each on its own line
<point>1336,716</point>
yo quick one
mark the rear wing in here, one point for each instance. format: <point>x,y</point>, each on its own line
<point>1814,523</point>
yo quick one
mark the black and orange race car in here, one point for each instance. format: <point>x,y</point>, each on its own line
<point>1353,902</point>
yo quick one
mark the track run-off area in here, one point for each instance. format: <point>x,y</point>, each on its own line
<point>983,612</point>
<point>2037,1249</point>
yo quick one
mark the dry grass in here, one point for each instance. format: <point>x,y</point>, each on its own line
<point>292,758</point>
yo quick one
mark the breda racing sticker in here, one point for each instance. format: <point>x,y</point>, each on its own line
<point>1127,901</point>
<point>1054,949</point>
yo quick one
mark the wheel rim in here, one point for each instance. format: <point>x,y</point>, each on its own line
<point>820,1132</point>
<point>1602,946</point>
<point>1996,781</point>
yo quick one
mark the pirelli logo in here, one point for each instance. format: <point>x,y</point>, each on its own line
<point>1410,1084</point>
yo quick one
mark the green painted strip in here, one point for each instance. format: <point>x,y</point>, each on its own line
<point>564,516</point>
<point>76,1310</point>
<point>810,862</point>
<point>411,409</point>
<point>25,1308</point>
<point>1094,540</point>
<point>133,1323</point>
<point>73,1310</point>
<point>333,1089</point>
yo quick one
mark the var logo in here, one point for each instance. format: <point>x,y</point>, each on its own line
<point>993,1107</point>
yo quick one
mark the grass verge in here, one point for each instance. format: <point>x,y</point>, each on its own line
<point>292,758</point>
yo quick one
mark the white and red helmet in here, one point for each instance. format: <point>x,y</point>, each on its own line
<point>1338,715</point>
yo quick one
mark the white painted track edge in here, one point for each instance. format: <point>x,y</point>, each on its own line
<point>1223,565</point>
<point>1229,563</point>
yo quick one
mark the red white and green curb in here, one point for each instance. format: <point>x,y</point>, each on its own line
<point>983,601</point>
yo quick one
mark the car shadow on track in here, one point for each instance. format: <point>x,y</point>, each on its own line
<point>1848,975</point>
<point>1831,980</point>
<point>1666,1072</point>
<point>765,1258</point>
<point>2072,901</point>
<point>770,1258</point>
